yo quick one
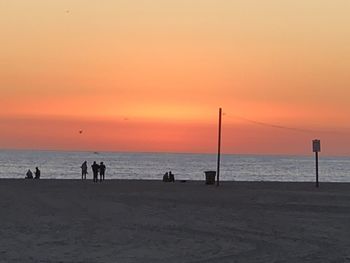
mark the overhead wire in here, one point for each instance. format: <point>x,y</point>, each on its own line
<point>278,126</point>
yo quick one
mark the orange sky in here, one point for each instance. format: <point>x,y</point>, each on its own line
<point>149,75</point>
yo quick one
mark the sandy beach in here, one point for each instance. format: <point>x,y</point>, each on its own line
<point>152,221</point>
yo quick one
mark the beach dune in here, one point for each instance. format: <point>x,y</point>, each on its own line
<point>152,221</point>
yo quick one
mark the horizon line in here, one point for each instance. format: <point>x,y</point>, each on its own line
<point>169,152</point>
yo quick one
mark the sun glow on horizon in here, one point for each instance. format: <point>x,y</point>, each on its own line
<point>150,75</point>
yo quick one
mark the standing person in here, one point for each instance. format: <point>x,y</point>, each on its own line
<point>171,177</point>
<point>95,167</point>
<point>37,173</point>
<point>84,170</point>
<point>102,171</point>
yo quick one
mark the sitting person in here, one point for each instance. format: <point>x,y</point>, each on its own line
<point>29,174</point>
<point>171,177</point>
<point>166,177</point>
<point>37,173</point>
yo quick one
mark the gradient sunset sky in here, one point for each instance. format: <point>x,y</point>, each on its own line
<point>150,75</point>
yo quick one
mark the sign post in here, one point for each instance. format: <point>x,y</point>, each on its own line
<point>316,146</point>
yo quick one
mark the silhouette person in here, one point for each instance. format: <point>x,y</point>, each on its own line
<point>29,174</point>
<point>171,177</point>
<point>84,170</point>
<point>95,167</point>
<point>166,177</point>
<point>37,173</point>
<point>102,171</point>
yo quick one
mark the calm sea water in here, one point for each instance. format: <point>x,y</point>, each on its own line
<point>66,165</point>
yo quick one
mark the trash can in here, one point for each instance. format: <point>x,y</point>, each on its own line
<point>210,177</point>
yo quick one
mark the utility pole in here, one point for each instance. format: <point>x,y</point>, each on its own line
<point>316,145</point>
<point>219,149</point>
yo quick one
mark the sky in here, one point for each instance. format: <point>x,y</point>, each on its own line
<point>150,75</point>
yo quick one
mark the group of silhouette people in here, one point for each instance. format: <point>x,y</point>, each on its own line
<point>169,177</point>
<point>37,173</point>
<point>96,169</point>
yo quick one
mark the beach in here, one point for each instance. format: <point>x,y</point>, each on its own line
<point>152,221</point>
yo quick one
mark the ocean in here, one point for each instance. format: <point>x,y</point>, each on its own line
<point>146,166</point>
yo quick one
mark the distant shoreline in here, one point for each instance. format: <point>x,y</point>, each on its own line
<point>193,182</point>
